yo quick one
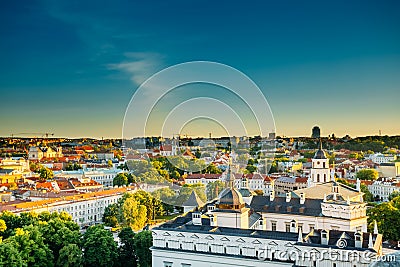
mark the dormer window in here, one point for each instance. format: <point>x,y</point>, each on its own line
<point>357,236</point>
<point>324,235</point>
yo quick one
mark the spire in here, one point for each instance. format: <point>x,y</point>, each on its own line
<point>300,237</point>
<point>320,143</point>
<point>375,228</point>
<point>358,185</point>
<point>229,177</point>
<point>370,242</point>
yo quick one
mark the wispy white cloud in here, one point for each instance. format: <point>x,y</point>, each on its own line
<point>139,65</point>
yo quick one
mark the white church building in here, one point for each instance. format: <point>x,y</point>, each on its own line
<point>324,225</point>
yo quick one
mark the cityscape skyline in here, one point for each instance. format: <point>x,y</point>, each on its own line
<point>70,68</point>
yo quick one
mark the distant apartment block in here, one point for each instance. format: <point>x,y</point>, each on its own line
<point>85,208</point>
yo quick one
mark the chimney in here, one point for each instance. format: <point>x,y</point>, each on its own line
<point>288,197</point>
<point>272,195</point>
<point>213,220</point>
<point>324,237</point>
<point>358,239</point>
<point>302,198</point>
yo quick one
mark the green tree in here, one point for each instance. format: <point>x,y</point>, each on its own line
<point>367,174</point>
<point>368,197</point>
<point>45,173</point>
<point>70,256</point>
<point>175,175</point>
<point>120,179</point>
<point>33,166</point>
<point>387,216</point>
<point>250,168</point>
<point>111,215</point>
<point>151,177</point>
<point>134,214</point>
<point>73,166</point>
<point>12,222</point>
<point>393,195</point>
<point>213,189</point>
<point>186,190</point>
<point>99,247</point>
<point>142,243</point>
<point>3,226</point>
<point>212,168</point>
<point>131,178</point>
<point>29,218</point>
<point>10,256</point>
<point>127,249</point>
<point>139,167</point>
<point>58,233</point>
<point>30,243</point>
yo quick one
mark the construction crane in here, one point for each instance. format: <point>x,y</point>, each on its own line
<point>41,134</point>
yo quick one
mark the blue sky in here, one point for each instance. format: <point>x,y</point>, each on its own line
<point>71,67</point>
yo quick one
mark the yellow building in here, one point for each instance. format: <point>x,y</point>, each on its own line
<point>10,176</point>
<point>37,153</point>
<point>17,164</point>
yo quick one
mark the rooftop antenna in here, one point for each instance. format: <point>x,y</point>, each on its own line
<point>380,133</point>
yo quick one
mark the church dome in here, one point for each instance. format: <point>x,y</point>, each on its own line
<point>230,198</point>
<point>320,154</point>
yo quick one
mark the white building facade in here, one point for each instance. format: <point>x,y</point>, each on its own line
<point>85,209</point>
<point>383,188</point>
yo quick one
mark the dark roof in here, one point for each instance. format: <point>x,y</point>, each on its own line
<point>6,171</point>
<point>320,154</point>
<point>245,192</point>
<point>253,218</point>
<point>182,224</point>
<point>311,207</point>
<point>314,237</point>
<point>193,201</point>
<point>230,196</point>
<point>226,230</point>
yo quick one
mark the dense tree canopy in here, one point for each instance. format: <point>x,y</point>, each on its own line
<point>213,189</point>
<point>367,174</point>
<point>127,249</point>
<point>45,173</point>
<point>99,247</point>
<point>387,216</point>
<point>142,243</point>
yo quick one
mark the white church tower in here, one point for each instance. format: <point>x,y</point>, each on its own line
<point>320,172</point>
